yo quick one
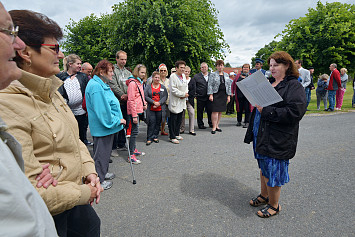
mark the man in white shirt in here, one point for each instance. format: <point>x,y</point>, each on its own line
<point>305,76</point>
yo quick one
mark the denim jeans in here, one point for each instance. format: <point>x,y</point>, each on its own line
<point>134,134</point>
<point>153,124</point>
<point>331,99</point>
<point>308,95</point>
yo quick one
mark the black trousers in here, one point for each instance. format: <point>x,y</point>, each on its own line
<point>230,105</point>
<point>174,124</point>
<point>203,105</point>
<point>83,126</point>
<point>243,106</point>
<point>78,221</point>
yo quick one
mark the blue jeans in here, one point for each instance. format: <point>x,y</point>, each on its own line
<point>331,99</point>
<point>134,134</point>
<point>153,124</point>
<point>308,95</point>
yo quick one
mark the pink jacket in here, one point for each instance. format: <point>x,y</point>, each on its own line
<point>134,101</point>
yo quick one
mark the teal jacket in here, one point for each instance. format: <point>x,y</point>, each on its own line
<point>103,108</point>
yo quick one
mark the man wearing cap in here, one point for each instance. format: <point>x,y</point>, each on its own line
<point>199,85</point>
<point>258,66</point>
<point>230,105</point>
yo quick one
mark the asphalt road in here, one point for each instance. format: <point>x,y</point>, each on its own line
<point>202,186</point>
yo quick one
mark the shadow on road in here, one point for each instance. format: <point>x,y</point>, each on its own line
<point>227,191</point>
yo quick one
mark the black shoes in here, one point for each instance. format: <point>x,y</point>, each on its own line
<point>192,133</point>
<point>238,124</point>
<point>202,127</point>
<point>218,130</point>
<point>213,132</point>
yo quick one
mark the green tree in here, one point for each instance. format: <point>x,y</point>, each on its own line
<point>325,35</point>
<point>87,38</point>
<point>264,54</point>
<point>151,32</point>
<point>228,65</point>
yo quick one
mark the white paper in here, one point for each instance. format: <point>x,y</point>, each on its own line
<point>258,90</point>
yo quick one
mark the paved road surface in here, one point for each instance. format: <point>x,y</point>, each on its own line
<point>202,186</point>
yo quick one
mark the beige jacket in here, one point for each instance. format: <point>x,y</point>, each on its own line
<point>44,125</point>
<point>178,89</point>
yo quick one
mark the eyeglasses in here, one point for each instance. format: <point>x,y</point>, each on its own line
<point>54,47</point>
<point>12,33</point>
<point>163,70</point>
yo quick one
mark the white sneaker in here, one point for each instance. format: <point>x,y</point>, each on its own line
<point>106,185</point>
<point>175,141</point>
<point>179,137</point>
<point>110,176</point>
<point>114,153</point>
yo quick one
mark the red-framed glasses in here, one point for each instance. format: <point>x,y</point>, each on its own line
<point>54,47</point>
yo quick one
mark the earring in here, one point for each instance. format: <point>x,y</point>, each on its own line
<point>29,63</point>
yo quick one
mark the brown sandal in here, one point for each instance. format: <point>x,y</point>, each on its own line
<point>257,202</point>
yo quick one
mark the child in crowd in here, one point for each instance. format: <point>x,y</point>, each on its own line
<point>136,105</point>
<point>321,91</point>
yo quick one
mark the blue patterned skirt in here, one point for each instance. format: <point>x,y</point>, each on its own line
<point>273,169</point>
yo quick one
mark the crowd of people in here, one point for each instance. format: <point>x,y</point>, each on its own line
<point>48,112</point>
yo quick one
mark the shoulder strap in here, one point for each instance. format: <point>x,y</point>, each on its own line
<point>138,91</point>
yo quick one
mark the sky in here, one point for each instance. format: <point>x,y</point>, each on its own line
<point>247,25</point>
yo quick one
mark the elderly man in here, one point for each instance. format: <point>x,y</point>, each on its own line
<point>87,69</point>
<point>198,85</point>
<point>119,88</point>
<point>333,85</point>
<point>22,210</point>
<point>305,76</point>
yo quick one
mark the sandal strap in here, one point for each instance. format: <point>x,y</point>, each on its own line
<point>265,210</point>
<point>264,198</point>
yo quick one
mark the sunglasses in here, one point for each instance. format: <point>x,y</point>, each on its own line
<point>54,47</point>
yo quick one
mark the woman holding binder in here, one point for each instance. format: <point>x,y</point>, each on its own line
<point>274,132</point>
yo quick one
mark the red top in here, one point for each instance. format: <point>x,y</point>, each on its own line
<point>155,97</point>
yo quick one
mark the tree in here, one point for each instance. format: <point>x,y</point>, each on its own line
<point>152,32</point>
<point>228,65</point>
<point>264,54</point>
<point>87,38</point>
<point>323,36</point>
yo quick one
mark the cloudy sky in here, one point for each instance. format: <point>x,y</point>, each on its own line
<point>247,25</point>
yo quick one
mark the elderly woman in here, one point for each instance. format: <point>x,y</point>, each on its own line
<point>155,95</point>
<point>242,103</point>
<point>177,104</point>
<point>163,71</point>
<point>274,132</point>
<point>339,95</point>
<point>189,105</point>
<point>73,91</point>
<point>219,91</point>
<point>22,210</point>
<point>105,118</point>
<point>47,129</point>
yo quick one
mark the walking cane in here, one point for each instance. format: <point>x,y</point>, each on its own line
<point>129,157</point>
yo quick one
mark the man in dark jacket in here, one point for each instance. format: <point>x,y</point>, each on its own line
<point>198,84</point>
